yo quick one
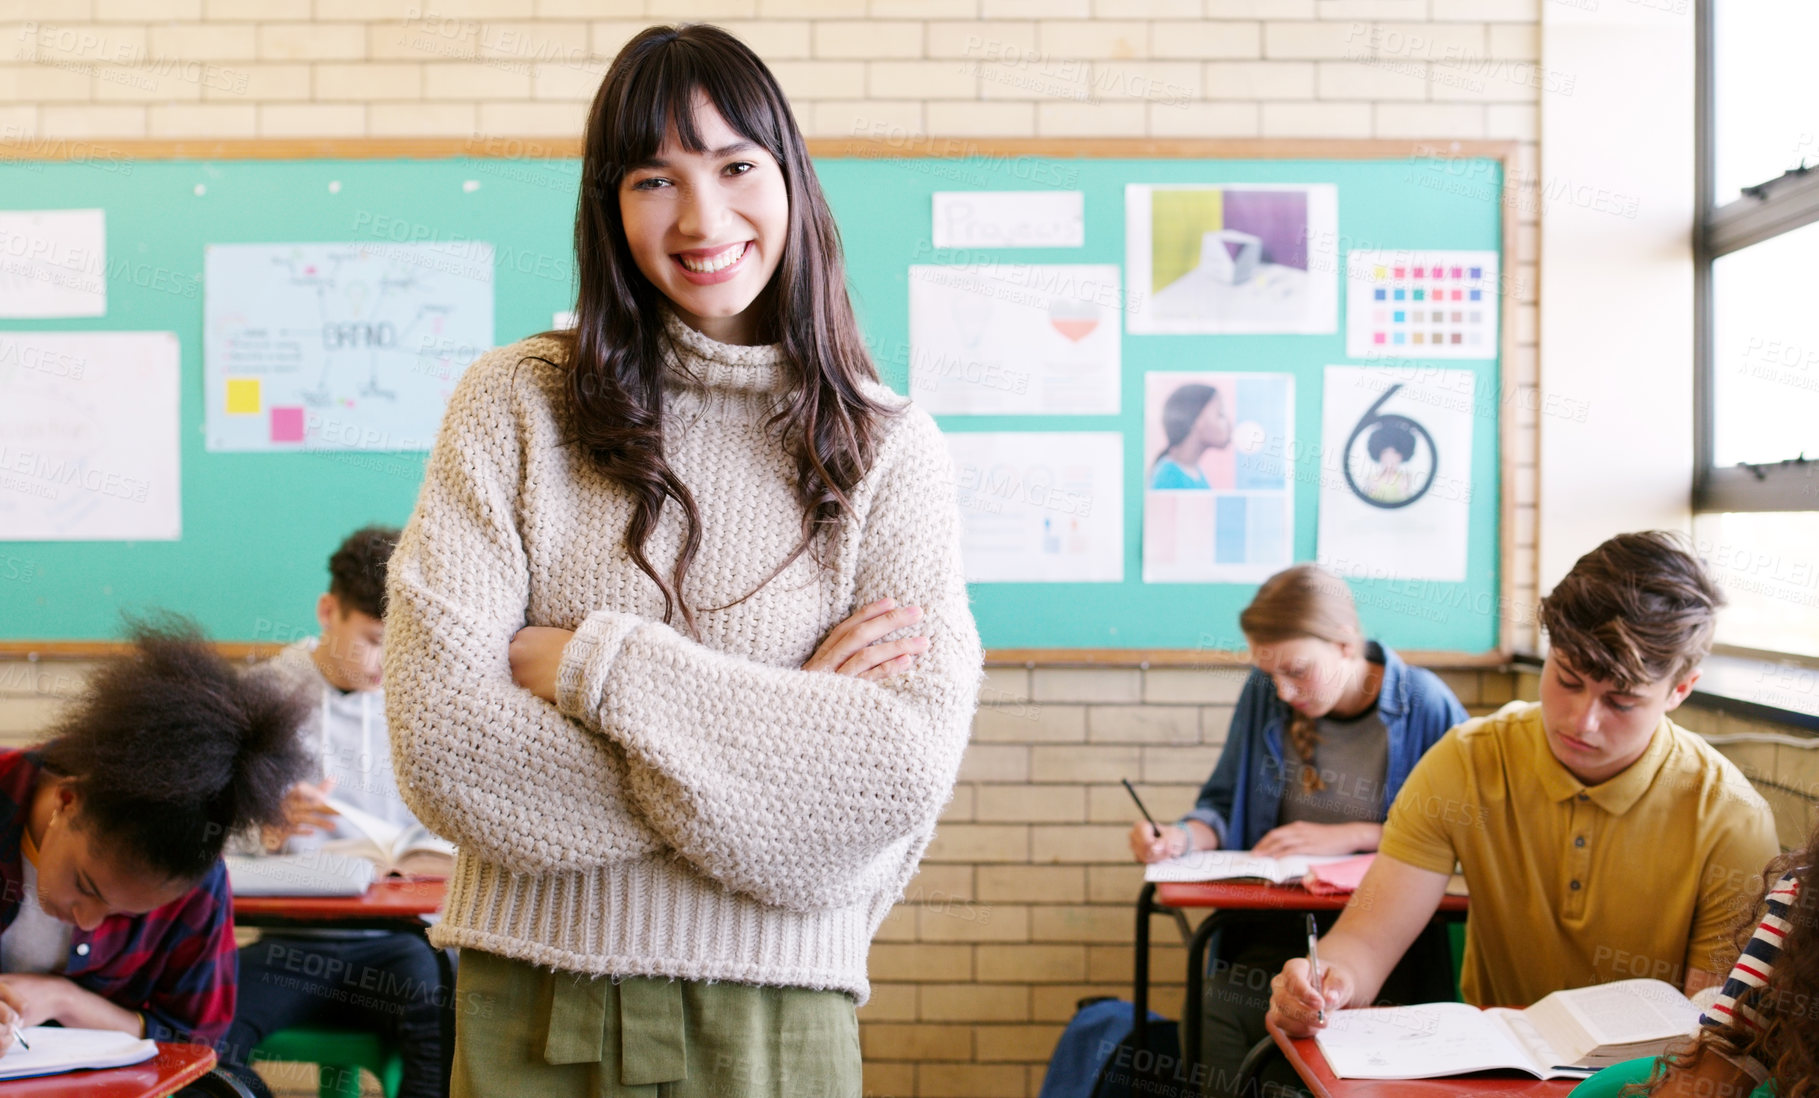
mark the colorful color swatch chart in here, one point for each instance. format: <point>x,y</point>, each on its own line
<point>1407,304</point>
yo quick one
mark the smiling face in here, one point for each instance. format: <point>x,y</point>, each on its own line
<point>1596,728</point>
<point>708,228</point>
<point>79,881</point>
<point>1309,673</point>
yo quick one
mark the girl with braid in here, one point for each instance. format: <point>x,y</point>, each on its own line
<point>1326,730</point>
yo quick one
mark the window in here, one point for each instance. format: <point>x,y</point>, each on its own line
<point>1756,247</point>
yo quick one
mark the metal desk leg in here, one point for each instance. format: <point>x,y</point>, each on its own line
<point>1140,968</point>
<point>1196,985</point>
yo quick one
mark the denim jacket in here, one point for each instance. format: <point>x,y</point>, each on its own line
<point>1246,786</point>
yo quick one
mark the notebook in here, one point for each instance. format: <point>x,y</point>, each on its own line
<point>1234,865</point>
<point>57,1049</point>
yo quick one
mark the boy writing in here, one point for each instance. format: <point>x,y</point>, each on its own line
<point>1563,813</point>
<point>389,982</point>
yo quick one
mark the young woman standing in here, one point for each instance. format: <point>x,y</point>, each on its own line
<point>679,650</point>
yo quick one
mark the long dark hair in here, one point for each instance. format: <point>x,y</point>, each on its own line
<point>1788,1042</point>
<point>615,354</point>
<point>1180,411</point>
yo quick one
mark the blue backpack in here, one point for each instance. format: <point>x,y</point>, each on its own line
<point>1094,1057</point>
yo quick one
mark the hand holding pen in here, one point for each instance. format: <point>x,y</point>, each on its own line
<point>1149,842</point>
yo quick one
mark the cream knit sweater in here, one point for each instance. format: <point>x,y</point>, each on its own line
<point>700,810</point>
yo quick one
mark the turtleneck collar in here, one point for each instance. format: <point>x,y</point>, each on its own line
<point>697,362</point>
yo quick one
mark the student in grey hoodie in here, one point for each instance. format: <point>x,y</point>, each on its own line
<point>386,981</point>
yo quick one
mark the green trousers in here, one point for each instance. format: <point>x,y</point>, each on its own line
<point>524,1030</point>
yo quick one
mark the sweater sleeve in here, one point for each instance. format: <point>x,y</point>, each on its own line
<point>801,787</point>
<point>479,759</point>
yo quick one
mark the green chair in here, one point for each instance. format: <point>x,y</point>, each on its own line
<point>340,1054</point>
<point>1610,1081</point>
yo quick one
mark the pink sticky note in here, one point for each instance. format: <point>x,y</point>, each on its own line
<point>287,425</point>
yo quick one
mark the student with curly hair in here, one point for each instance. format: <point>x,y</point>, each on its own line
<point>1761,1035</point>
<point>114,905</point>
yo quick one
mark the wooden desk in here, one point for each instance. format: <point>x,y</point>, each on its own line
<point>1228,899</point>
<point>1305,1055</point>
<point>392,903</point>
<point>175,1067</point>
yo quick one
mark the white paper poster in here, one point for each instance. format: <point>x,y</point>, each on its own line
<point>339,346</point>
<point>1218,477</point>
<point>1010,219</point>
<point>1396,472</point>
<point>1405,304</point>
<point>1041,507</point>
<point>88,436</point>
<point>1015,339</point>
<point>53,263</point>
<point>1238,258</point>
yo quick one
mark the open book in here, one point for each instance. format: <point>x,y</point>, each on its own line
<point>1567,1035</point>
<point>56,1049</point>
<point>1235,865</point>
<point>343,867</point>
<point>411,850</point>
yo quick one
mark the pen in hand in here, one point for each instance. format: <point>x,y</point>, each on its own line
<point>19,1037</point>
<point>1313,961</point>
<point>1128,788</point>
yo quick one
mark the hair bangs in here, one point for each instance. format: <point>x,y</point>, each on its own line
<point>661,94</point>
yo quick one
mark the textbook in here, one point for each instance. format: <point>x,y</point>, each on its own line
<point>1566,1035</point>
<point>1237,865</point>
<point>343,867</point>
<point>60,1048</point>
<point>412,851</point>
<point>316,873</point>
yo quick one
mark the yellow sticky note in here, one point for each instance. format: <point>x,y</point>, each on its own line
<point>243,396</point>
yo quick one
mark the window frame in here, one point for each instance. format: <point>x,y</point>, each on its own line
<point>1763,211</point>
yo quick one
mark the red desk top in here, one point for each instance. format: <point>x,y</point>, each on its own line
<point>394,898</point>
<point>175,1067</point>
<point>1252,896</point>
<point>1305,1055</point>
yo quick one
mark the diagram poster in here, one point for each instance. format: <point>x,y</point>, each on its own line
<point>1040,507</point>
<point>1403,304</point>
<point>88,436</point>
<point>1396,472</point>
<point>1256,258</point>
<point>339,346</point>
<point>1015,339</point>
<point>1218,477</point>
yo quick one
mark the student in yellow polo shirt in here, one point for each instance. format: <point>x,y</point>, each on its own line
<point>1600,840</point>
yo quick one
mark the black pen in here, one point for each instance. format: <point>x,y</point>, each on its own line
<point>1132,790</point>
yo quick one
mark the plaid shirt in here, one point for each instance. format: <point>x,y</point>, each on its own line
<point>175,965</point>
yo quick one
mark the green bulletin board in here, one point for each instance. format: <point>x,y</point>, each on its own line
<point>257,527</point>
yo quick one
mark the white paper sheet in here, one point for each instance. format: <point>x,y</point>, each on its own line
<point>58,1049</point>
<point>1232,258</point>
<point>339,346</point>
<point>1010,219</point>
<point>1384,513</point>
<point>1421,304</point>
<point>89,436</point>
<point>1015,339</point>
<point>1041,507</point>
<point>53,263</point>
<point>1218,476</point>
